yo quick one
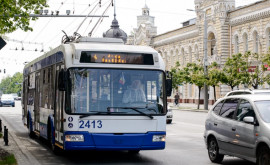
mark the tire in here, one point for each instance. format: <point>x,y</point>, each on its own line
<point>55,149</point>
<point>169,121</point>
<point>134,152</point>
<point>213,151</point>
<point>263,157</point>
<point>30,127</point>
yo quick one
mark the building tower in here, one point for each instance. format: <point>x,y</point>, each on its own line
<point>145,30</point>
<point>218,30</point>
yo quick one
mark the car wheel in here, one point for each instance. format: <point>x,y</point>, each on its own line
<point>213,151</point>
<point>169,121</point>
<point>263,157</point>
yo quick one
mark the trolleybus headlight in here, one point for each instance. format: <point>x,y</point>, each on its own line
<point>74,138</point>
<point>159,138</point>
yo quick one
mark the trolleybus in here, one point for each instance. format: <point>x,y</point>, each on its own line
<point>81,96</point>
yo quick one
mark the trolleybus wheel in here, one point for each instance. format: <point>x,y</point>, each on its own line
<point>134,151</point>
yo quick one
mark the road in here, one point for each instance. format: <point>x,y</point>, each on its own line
<point>185,145</point>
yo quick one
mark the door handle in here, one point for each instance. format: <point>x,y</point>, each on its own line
<point>215,124</point>
<point>233,129</point>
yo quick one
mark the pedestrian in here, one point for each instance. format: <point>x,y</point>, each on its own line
<point>176,98</point>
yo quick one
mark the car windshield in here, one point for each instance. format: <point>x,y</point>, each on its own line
<point>115,91</point>
<point>264,110</point>
<point>7,97</point>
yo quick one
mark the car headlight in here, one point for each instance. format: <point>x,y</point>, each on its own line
<point>74,138</point>
<point>159,138</point>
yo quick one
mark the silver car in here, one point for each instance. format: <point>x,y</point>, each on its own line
<point>169,115</point>
<point>249,91</point>
<point>239,126</point>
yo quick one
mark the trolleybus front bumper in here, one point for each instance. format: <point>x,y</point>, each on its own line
<point>104,141</point>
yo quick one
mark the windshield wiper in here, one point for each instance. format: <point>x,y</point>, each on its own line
<point>134,109</point>
<point>97,113</point>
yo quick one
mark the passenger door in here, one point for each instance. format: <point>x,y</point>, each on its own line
<point>244,133</point>
<point>224,124</point>
<point>59,107</point>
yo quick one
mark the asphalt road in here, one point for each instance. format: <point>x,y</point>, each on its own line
<point>184,145</point>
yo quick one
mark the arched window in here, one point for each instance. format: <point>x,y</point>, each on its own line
<point>172,59</point>
<point>196,52</point>
<point>267,39</point>
<point>183,56</point>
<point>190,54</point>
<point>177,55</point>
<point>245,40</point>
<point>236,44</point>
<point>256,41</point>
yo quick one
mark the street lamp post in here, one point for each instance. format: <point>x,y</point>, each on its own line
<point>205,60</point>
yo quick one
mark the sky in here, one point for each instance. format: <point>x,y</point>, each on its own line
<point>168,15</point>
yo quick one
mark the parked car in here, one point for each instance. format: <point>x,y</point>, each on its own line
<point>248,91</point>
<point>239,126</point>
<point>15,96</point>
<point>169,115</point>
<point>7,99</point>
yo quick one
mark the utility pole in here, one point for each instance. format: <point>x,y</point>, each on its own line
<point>205,60</point>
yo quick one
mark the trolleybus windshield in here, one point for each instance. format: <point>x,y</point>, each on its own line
<point>115,91</point>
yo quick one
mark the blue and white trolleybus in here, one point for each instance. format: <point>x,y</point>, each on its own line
<point>97,94</point>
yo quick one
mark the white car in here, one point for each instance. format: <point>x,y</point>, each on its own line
<point>169,115</point>
<point>248,91</point>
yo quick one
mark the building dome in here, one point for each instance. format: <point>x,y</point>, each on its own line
<point>115,32</point>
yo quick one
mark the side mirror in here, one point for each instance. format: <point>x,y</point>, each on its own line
<point>62,80</point>
<point>168,87</point>
<point>249,120</point>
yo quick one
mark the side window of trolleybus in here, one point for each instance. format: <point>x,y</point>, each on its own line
<point>115,91</point>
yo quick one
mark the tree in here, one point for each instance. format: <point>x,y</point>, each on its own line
<point>10,9</point>
<point>215,76</point>
<point>232,69</point>
<point>12,84</point>
<point>254,69</point>
<point>196,76</point>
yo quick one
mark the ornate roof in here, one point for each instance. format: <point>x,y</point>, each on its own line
<point>115,31</point>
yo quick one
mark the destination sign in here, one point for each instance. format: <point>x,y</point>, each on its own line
<point>116,58</point>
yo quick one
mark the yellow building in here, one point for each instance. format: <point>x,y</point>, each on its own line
<point>229,30</point>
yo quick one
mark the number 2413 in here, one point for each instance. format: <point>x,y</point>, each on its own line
<point>90,124</point>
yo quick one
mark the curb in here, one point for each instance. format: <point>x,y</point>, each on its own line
<point>192,110</point>
<point>16,147</point>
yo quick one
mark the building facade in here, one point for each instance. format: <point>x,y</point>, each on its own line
<point>230,30</point>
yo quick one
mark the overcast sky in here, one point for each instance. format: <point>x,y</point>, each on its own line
<point>168,15</point>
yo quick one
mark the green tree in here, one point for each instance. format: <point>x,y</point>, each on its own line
<point>232,69</point>
<point>196,76</point>
<point>10,9</point>
<point>254,69</point>
<point>12,84</point>
<point>215,76</point>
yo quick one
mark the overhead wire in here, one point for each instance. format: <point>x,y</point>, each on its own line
<point>101,18</point>
<point>48,21</point>
<point>86,18</point>
<point>55,39</point>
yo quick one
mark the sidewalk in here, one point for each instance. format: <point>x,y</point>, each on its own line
<point>189,107</point>
<point>17,147</point>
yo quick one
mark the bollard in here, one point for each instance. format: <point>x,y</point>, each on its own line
<point>5,135</point>
<point>0,125</point>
